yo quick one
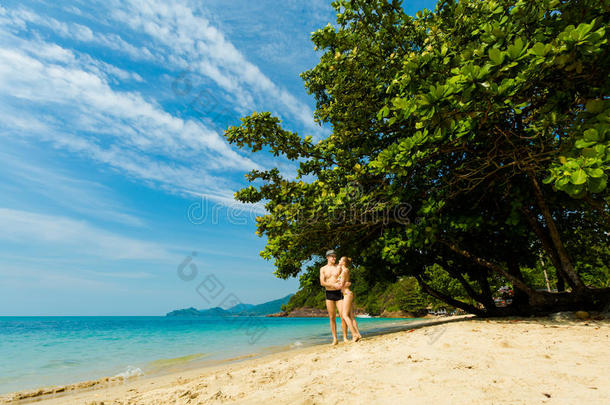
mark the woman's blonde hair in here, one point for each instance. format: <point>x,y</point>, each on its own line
<point>348,260</point>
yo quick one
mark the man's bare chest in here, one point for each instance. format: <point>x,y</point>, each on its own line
<point>332,272</point>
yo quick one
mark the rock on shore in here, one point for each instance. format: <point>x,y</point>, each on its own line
<point>397,314</point>
<point>307,312</point>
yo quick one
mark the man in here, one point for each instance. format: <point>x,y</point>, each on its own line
<point>334,297</point>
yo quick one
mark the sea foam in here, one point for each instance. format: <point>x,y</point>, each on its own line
<point>130,372</point>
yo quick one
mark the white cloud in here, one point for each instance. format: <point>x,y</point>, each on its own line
<point>195,44</point>
<point>185,40</point>
<point>117,113</point>
<point>46,230</point>
<point>121,129</point>
<point>73,105</point>
<point>22,19</point>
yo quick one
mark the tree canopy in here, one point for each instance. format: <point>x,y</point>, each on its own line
<point>468,144</point>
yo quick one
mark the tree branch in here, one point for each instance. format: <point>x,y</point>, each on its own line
<point>492,266</point>
<point>445,298</point>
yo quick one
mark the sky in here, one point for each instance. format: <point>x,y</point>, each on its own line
<point>116,184</point>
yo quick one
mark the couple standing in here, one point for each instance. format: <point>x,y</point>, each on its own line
<point>335,279</point>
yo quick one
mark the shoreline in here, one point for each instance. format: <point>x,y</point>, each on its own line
<point>59,391</point>
<point>469,360</point>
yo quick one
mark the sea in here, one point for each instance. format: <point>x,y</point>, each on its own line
<point>44,351</point>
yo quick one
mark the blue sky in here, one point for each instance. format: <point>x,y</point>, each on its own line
<point>111,119</point>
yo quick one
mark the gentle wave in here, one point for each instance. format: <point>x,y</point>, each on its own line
<point>131,372</point>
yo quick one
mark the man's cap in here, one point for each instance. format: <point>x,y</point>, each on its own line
<point>330,253</point>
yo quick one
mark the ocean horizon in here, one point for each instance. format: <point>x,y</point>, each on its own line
<point>40,351</point>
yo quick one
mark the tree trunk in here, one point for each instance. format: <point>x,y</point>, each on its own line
<point>486,294</point>
<point>547,245</point>
<point>521,299</point>
<point>469,290</point>
<point>561,286</point>
<point>532,302</point>
<point>594,299</point>
<point>485,298</point>
<point>566,264</point>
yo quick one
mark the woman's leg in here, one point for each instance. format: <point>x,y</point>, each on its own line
<point>348,300</point>
<point>355,324</point>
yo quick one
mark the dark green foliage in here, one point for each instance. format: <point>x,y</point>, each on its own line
<point>404,295</point>
<point>469,145</point>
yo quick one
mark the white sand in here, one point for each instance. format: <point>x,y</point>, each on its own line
<point>527,361</point>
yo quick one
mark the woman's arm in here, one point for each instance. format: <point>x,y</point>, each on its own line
<point>346,280</point>
<point>345,277</point>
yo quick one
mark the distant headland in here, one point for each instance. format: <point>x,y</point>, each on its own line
<point>265,308</point>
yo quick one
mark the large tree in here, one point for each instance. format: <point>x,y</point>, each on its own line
<point>473,140</point>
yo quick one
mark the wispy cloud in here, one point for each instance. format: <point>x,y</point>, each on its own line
<point>75,104</point>
<point>79,236</point>
<point>182,38</point>
<point>23,19</point>
<point>75,108</point>
<point>52,185</point>
<point>191,42</point>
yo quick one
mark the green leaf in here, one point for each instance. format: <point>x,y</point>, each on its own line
<point>595,173</point>
<point>496,56</point>
<point>578,177</point>
<point>562,182</point>
<point>589,152</point>
<point>591,135</point>
<point>598,184</point>
<point>581,143</point>
<point>539,49</point>
<point>514,51</point>
<point>383,112</point>
<point>549,179</point>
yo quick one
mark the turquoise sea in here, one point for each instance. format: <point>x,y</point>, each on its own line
<point>42,351</point>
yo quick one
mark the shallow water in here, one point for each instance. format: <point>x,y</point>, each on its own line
<point>41,351</point>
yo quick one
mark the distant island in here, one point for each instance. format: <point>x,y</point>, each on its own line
<point>265,308</point>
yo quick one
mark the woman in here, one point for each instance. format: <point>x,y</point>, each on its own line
<point>348,298</point>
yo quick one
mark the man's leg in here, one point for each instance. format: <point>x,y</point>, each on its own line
<point>343,323</point>
<point>331,308</point>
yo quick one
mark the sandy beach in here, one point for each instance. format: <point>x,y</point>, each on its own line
<point>473,361</point>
